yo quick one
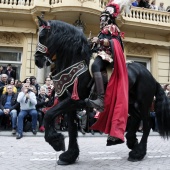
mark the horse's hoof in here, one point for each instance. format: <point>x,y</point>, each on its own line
<point>59,162</point>
<point>133,160</point>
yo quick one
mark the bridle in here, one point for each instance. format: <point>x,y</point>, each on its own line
<point>42,48</point>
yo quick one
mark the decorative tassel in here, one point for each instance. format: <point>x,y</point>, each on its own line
<point>75,95</point>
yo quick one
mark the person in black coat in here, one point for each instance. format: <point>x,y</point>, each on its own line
<point>9,106</point>
<point>144,4</point>
<point>34,83</point>
<point>4,79</point>
<point>10,72</point>
<point>42,102</point>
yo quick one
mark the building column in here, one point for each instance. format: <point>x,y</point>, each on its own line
<point>47,71</point>
<point>40,76</point>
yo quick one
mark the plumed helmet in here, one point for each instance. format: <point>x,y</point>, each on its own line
<point>113,8</point>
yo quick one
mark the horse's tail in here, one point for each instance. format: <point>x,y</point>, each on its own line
<point>162,109</point>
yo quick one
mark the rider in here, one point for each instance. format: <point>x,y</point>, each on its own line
<point>109,47</point>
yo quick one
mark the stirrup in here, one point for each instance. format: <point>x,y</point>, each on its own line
<point>92,103</point>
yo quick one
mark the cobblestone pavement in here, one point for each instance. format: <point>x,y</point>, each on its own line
<point>33,153</point>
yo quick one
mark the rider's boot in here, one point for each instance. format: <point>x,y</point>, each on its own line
<point>99,102</point>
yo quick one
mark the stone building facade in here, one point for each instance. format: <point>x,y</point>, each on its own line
<point>147,33</point>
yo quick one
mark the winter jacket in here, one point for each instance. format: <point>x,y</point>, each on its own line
<point>14,103</point>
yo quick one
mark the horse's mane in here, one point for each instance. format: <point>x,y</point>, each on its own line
<point>68,43</point>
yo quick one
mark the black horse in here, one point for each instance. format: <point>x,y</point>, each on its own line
<point>72,55</point>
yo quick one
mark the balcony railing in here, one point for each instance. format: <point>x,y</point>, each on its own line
<point>146,15</point>
<point>102,3</point>
<point>17,2</point>
<point>135,14</point>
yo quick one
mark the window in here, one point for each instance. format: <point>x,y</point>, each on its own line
<point>145,61</point>
<point>11,56</point>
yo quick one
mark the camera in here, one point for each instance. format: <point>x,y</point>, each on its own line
<point>29,90</point>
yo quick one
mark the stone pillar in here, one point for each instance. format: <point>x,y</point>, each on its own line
<point>40,76</point>
<point>47,71</point>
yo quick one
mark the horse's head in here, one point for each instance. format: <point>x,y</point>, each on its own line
<point>63,40</point>
<point>43,55</point>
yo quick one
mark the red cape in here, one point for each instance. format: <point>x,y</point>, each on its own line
<point>113,119</point>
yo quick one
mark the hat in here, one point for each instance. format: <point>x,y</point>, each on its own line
<point>114,10</point>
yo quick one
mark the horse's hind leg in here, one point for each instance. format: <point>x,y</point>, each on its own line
<point>72,153</point>
<point>133,125</point>
<point>139,150</point>
<point>134,120</point>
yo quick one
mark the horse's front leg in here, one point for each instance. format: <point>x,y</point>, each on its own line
<point>139,151</point>
<point>72,153</point>
<point>55,139</point>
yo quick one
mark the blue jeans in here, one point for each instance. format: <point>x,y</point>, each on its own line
<point>21,116</point>
<point>13,114</point>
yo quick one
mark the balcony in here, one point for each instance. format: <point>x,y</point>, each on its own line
<point>152,22</point>
<point>12,11</point>
<point>95,6</point>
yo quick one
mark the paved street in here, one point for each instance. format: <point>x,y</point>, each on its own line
<point>33,153</point>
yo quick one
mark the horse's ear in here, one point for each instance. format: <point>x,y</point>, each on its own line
<point>41,21</point>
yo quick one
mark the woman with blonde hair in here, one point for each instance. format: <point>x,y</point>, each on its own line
<point>11,82</point>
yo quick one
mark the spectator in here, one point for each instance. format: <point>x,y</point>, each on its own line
<point>135,3</point>
<point>167,86</point>
<point>32,87</point>
<point>27,100</point>
<point>153,117</point>
<point>93,116</point>
<point>16,81</point>
<point>82,116</point>
<point>34,83</point>
<point>10,72</point>
<point>168,9</point>
<point>153,5</point>
<point>9,106</point>
<point>42,102</point>
<point>1,70</point>
<point>161,7</point>
<point>18,85</point>
<point>144,4</point>
<point>4,79</point>
<point>92,119</point>
<point>63,122</point>
<point>10,82</point>
<point>48,86</point>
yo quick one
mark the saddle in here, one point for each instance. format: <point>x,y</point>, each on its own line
<point>106,74</point>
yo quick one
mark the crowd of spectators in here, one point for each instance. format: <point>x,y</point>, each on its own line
<point>24,103</point>
<point>150,5</point>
